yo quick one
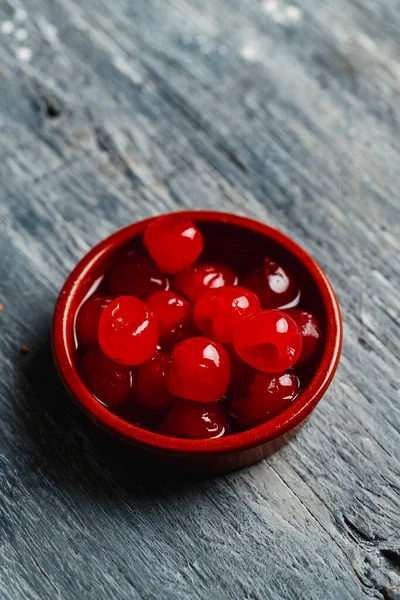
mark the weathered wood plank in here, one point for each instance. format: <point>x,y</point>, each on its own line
<point>285,113</point>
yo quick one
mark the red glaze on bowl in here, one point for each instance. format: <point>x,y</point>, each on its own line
<point>229,236</point>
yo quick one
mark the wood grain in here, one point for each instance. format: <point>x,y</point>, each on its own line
<point>112,111</point>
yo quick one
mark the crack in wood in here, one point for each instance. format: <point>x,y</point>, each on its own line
<point>359,534</point>
<point>106,144</point>
<point>393,557</point>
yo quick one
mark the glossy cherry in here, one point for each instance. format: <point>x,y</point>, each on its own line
<point>218,311</point>
<point>87,322</point>
<point>149,387</point>
<point>275,286</point>
<point>270,341</point>
<point>109,381</point>
<point>174,315</point>
<point>200,370</point>
<point>128,331</point>
<point>174,242</point>
<point>242,375</point>
<point>136,274</point>
<point>310,333</point>
<point>195,280</point>
<point>269,395</point>
<point>195,420</point>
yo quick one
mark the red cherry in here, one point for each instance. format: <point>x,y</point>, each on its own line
<point>195,280</point>
<point>275,287</point>
<point>174,242</point>
<point>269,395</point>
<point>218,311</point>
<point>200,370</point>
<point>149,387</point>
<point>310,333</point>
<point>87,322</point>
<point>174,315</point>
<point>141,417</point>
<point>242,375</point>
<point>108,381</point>
<point>270,341</point>
<point>135,274</point>
<point>195,420</point>
<point>128,331</point>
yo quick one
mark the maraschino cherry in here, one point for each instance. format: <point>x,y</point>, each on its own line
<point>175,317</point>
<point>195,280</point>
<point>149,386</point>
<point>128,331</point>
<point>200,370</point>
<point>136,274</point>
<point>218,311</point>
<point>87,322</point>
<point>195,420</point>
<point>109,381</point>
<point>269,395</point>
<point>269,340</point>
<point>174,242</point>
<point>310,333</point>
<point>275,286</point>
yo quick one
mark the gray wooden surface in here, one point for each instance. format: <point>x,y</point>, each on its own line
<point>111,111</point>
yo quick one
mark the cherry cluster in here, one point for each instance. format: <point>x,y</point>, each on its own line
<point>182,347</point>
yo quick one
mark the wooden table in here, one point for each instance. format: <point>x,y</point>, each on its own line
<point>113,111</point>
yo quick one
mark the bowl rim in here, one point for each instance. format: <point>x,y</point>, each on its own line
<point>64,319</point>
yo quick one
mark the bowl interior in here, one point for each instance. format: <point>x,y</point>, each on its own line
<point>242,244</point>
